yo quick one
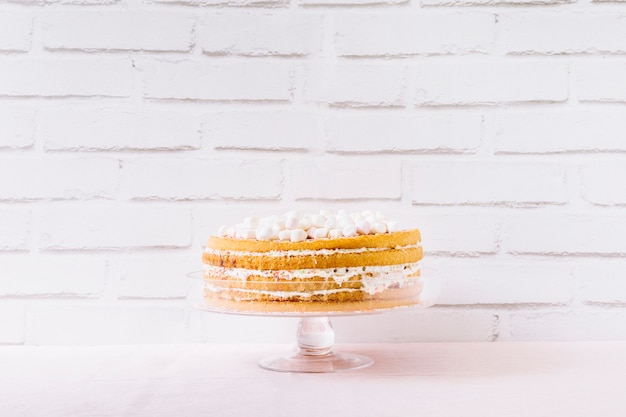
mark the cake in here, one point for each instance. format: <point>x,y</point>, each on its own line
<point>313,262</point>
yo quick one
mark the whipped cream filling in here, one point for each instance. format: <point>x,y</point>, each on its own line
<point>289,253</point>
<point>339,275</point>
<point>374,279</point>
<point>372,287</point>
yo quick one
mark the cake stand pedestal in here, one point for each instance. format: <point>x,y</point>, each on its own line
<point>315,338</point>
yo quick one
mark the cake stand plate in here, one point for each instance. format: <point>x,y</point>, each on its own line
<point>315,335</point>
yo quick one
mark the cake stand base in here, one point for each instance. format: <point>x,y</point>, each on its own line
<point>332,362</point>
<point>314,354</point>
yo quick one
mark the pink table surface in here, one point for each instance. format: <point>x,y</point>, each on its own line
<point>417,379</point>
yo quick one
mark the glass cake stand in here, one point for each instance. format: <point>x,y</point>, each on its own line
<point>315,335</point>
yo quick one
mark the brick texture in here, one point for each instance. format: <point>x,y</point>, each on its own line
<point>405,34</point>
<point>459,235</point>
<point>96,227</point>
<point>261,34</point>
<point>343,180</point>
<point>264,130</point>
<point>356,84</point>
<point>598,184</point>
<point>201,179</point>
<point>602,283</point>
<point>563,235</point>
<point>106,128</point>
<point>16,31</point>
<point>61,178</point>
<point>534,283</point>
<point>118,30</point>
<point>65,77</point>
<point>149,277</point>
<point>73,276</point>
<point>17,126</point>
<point>488,81</point>
<point>563,33</point>
<point>104,324</point>
<point>597,81</point>
<point>15,224</point>
<point>509,184</point>
<point>11,325</point>
<point>401,132</point>
<point>540,132</point>
<point>492,2</point>
<point>131,131</point>
<point>205,80</point>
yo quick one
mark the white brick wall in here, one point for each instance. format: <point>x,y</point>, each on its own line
<point>219,81</point>
<point>429,132</point>
<point>406,34</point>
<point>59,178</point>
<point>563,33</point>
<point>82,127</point>
<point>117,30</point>
<point>111,227</point>
<point>130,131</point>
<point>16,30</point>
<point>355,84</point>
<point>65,77</point>
<point>266,129</point>
<point>17,129</point>
<point>261,34</point>
<point>471,81</point>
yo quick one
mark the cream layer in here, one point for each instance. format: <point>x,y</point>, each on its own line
<point>338,274</point>
<point>372,287</point>
<point>289,253</point>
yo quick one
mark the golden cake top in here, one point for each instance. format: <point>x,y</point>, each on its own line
<point>400,239</point>
<point>314,231</point>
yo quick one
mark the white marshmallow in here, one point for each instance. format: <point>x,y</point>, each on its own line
<point>335,233</point>
<point>314,225</point>
<point>318,220</point>
<point>358,218</point>
<point>392,226</point>
<point>305,223</point>
<point>349,230</point>
<point>263,233</point>
<point>292,223</point>
<point>252,221</point>
<point>284,234</point>
<point>379,228</point>
<point>330,222</point>
<point>343,222</point>
<point>267,221</point>
<point>280,222</point>
<point>363,227</point>
<point>246,233</point>
<point>298,235</point>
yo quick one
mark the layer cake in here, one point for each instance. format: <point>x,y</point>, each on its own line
<point>313,262</point>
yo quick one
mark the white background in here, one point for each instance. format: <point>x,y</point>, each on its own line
<point>130,131</point>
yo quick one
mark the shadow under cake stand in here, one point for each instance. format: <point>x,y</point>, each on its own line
<point>315,335</point>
